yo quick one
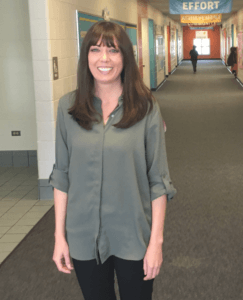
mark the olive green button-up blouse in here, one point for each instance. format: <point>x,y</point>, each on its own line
<point>111,176</point>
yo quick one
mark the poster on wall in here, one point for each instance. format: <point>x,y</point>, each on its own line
<point>180,46</point>
<point>201,34</point>
<point>160,53</point>
<point>179,7</point>
<point>85,22</point>
<point>228,45</point>
<point>172,43</point>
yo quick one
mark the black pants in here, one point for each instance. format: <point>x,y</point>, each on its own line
<point>97,281</point>
<point>194,64</point>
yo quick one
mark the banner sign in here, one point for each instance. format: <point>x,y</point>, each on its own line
<point>201,28</point>
<point>180,7</point>
<point>201,34</point>
<point>201,19</point>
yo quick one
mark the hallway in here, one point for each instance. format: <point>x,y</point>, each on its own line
<point>203,228</point>
<point>202,248</point>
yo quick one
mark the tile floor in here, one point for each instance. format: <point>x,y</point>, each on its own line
<point>20,208</point>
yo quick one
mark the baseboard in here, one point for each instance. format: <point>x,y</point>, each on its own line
<point>155,89</point>
<point>26,158</point>
<point>204,59</point>
<point>45,190</point>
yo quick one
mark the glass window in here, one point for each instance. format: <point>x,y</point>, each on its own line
<point>205,42</point>
<point>203,46</point>
<point>205,51</point>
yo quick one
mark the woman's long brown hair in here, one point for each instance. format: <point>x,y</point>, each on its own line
<point>137,98</point>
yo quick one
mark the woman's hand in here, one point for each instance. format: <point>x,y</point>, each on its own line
<point>61,255</point>
<point>152,261</point>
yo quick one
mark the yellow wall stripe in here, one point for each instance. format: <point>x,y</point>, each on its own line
<point>89,20</point>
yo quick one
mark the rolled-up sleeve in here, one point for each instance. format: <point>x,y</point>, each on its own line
<point>156,157</point>
<point>59,175</point>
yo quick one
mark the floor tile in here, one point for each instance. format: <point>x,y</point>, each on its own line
<point>7,189</point>
<point>4,223</point>
<point>25,202</point>
<point>18,209</point>
<point>19,229</point>
<point>13,185</point>
<point>4,193</point>
<point>3,210</point>
<point>12,238</point>
<point>30,197</point>
<point>8,197</point>
<point>21,176</point>
<point>3,230</point>
<point>4,178</point>
<point>40,208</point>
<point>15,182</point>
<point>31,183</point>
<point>8,203</point>
<point>6,247</point>
<point>34,215</point>
<point>18,193</point>
<point>26,188</point>
<point>12,216</point>
<point>44,202</point>
<point>3,255</point>
<point>26,222</point>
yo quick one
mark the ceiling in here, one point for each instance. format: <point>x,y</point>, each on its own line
<point>163,6</point>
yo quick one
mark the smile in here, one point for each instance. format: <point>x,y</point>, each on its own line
<point>105,69</point>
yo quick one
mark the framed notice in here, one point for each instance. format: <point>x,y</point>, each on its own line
<point>201,34</point>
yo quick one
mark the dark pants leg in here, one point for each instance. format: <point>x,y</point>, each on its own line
<point>130,276</point>
<point>97,281</point>
<point>194,64</point>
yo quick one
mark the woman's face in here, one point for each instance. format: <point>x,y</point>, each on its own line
<point>105,63</point>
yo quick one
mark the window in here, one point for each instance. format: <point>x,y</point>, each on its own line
<point>203,46</point>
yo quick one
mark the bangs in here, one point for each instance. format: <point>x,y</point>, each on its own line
<point>107,34</point>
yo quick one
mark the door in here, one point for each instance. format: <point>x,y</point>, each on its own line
<point>177,47</point>
<point>225,46</point>
<point>145,52</point>
<point>169,57</point>
<point>153,71</point>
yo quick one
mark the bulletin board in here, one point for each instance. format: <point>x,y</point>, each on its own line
<point>86,21</point>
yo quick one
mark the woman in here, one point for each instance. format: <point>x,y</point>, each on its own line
<point>110,178</point>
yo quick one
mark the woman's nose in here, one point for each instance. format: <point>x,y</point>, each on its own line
<point>105,55</point>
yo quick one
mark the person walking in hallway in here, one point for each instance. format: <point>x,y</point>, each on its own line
<point>232,60</point>
<point>194,55</point>
<point>111,179</point>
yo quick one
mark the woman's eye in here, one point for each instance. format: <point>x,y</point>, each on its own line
<point>94,50</point>
<point>114,50</point>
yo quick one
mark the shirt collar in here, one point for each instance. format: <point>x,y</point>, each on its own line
<point>97,100</point>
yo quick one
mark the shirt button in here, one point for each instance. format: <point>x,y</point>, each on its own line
<point>112,116</point>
